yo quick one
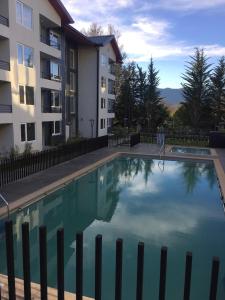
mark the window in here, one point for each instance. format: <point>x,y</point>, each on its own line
<point>56,128</point>
<point>72,104</point>
<point>111,65</point>
<point>102,125</point>
<point>72,81</point>
<point>103,82</point>
<point>26,95</point>
<point>24,15</point>
<point>29,95</point>
<point>55,99</point>
<point>72,59</point>
<point>102,102</point>
<point>111,103</point>
<point>21,93</point>
<point>27,132</point>
<point>55,71</point>
<point>25,55</point>
<point>103,60</point>
<point>54,40</point>
<point>111,87</point>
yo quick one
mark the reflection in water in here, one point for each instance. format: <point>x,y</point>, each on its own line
<point>131,198</point>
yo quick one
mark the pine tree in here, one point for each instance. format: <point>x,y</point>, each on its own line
<point>217,92</point>
<point>153,104</point>
<point>196,88</point>
<point>140,94</point>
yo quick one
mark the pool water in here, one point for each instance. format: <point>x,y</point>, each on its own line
<point>175,204</point>
<point>189,150</point>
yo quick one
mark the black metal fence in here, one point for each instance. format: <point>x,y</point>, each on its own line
<point>13,169</point>
<point>178,139</point>
<point>98,267</point>
<point>124,140</point>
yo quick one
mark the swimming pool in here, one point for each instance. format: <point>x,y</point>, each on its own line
<point>176,204</point>
<point>189,150</point>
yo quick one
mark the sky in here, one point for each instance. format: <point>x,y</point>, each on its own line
<point>167,30</point>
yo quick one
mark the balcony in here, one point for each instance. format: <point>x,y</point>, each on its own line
<point>5,108</point>
<point>111,87</point>
<point>50,68</point>
<point>111,106</point>
<point>51,101</point>
<point>4,65</point>
<point>4,54</point>
<point>112,67</point>
<point>4,21</point>
<point>4,12</point>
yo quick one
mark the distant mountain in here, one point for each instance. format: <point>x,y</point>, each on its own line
<point>172,97</point>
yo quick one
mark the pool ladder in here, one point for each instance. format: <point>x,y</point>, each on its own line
<point>162,150</point>
<point>5,203</point>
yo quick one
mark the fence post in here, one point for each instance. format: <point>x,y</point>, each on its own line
<point>140,271</point>
<point>43,262</point>
<point>26,261</point>
<point>187,280</point>
<point>98,267</point>
<point>163,266</point>
<point>10,259</point>
<point>79,266</point>
<point>60,264</point>
<point>119,268</point>
<point>214,278</point>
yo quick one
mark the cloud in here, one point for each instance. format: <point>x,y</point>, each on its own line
<point>142,36</point>
<point>187,5</point>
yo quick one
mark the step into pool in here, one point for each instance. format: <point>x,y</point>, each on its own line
<point>175,204</point>
<point>189,150</point>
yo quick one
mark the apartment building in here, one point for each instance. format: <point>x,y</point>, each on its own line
<point>52,78</point>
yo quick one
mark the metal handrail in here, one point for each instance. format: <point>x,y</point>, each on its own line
<point>6,203</point>
<point>162,149</point>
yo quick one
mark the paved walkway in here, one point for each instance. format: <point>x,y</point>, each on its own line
<point>33,183</point>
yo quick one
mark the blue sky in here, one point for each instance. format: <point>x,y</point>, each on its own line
<point>168,30</point>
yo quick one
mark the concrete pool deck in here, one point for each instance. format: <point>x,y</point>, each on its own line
<point>36,186</point>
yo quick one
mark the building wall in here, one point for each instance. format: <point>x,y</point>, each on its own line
<point>21,75</point>
<point>103,93</point>
<point>87,90</point>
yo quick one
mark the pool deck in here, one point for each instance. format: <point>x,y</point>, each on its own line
<point>35,291</point>
<point>31,188</point>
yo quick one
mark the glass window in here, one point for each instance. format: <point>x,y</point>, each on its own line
<point>28,57</point>
<point>55,71</point>
<point>102,124</point>
<point>111,86</point>
<point>23,132</point>
<point>72,81</point>
<point>27,16</point>
<point>103,82</point>
<point>24,15</point>
<point>104,60</point>
<point>21,92</point>
<point>72,104</point>
<point>20,54</point>
<point>72,59</point>
<point>29,95</point>
<point>57,127</point>
<point>19,12</point>
<point>55,99</point>
<point>30,131</point>
<point>54,40</point>
<point>102,102</point>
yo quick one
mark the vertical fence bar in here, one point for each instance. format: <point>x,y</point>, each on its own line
<point>10,259</point>
<point>98,267</point>
<point>79,266</point>
<point>187,280</point>
<point>119,269</point>
<point>163,266</point>
<point>140,271</point>
<point>214,278</point>
<point>26,261</point>
<point>60,264</point>
<point>43,262</point>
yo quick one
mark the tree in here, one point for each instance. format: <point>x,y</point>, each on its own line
<point>153,101</point>
<point>94,30</point>
<point>196,89</point>
<point>140,93</point>
<point>217,92</point>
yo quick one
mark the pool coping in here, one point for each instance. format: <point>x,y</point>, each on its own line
<point>42,192</point>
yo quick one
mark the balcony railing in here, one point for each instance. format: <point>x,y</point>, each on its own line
<point>4,21</point>
<point>50,76</point>
<point>4,65</point>
<point>48,41</point>
<point>52,109</point>
<point>5,108</point>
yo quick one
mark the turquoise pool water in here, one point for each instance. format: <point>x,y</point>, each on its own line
<point>176,204</point>
<point>189,150</point>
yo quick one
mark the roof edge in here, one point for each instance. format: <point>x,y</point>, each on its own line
<point>62,11</point>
